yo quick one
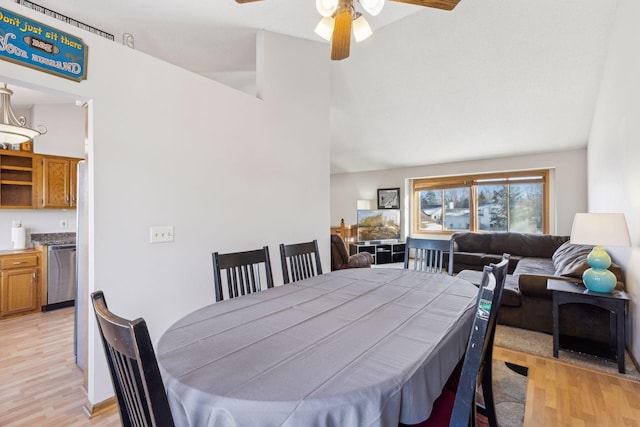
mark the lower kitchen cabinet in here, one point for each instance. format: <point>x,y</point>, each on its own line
<point>19,274</point>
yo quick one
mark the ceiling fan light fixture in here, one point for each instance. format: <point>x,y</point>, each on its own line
<point>325,28</point>
<point>361,29</point>
<point>372,7</point>
<point>327,8</point>
<point>12,129</point>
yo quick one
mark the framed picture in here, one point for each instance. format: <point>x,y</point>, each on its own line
<point>388,198</point>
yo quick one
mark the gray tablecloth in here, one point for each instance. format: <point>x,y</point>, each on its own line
<point>358,347</point>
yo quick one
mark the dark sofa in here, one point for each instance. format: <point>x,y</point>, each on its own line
<point>526,303</point>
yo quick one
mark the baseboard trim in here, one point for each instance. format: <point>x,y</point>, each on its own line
<point>633,359</point>
<point>93,410</point>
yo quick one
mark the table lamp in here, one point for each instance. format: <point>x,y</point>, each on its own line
<point>606,229</point>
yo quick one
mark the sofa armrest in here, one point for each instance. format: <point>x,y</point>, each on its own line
<point>359,260</point>
<point>535,285</point>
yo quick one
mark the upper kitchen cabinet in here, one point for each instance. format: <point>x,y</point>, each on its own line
<point>58,182</point>
<point>17,180</point>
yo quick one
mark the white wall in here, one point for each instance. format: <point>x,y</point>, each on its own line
<point>568,190</point>
<point>65,130</point>
<point>169,147</point>
<point>614,148</point>
<point>65,137</point>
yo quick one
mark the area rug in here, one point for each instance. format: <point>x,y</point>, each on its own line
<point>541,344</point>
<point>509,394</point>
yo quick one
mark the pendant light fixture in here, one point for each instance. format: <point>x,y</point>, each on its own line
<point>13,130</point>
<point>340,19</point>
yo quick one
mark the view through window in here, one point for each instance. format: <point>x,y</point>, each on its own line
<point>512,201</point>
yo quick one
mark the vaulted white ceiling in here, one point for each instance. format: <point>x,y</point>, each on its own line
<point>490,78</point>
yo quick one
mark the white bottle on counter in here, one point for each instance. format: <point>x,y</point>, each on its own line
<point>18,236</point>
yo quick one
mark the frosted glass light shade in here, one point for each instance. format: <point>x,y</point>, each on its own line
<point>373,7</point>
<point>361,29</point>
<point>13,129</point>
<point>326,8</point>
<point>325,28</point>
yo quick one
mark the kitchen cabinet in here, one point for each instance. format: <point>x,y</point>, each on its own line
<point>17,180</point>
<point>58,182</point>
<point>19,273</point>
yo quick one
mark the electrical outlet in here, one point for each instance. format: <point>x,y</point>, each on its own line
<point>161,234</point>
<point>64,223</point>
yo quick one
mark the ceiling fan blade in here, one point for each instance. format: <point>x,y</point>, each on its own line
<point>438,4</point>
<point>341,39</point>
<point>246,1</point>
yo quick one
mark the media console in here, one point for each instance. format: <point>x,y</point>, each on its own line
<point>383,252</point>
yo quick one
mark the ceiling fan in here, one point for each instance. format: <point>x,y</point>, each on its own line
<point>340,16</point>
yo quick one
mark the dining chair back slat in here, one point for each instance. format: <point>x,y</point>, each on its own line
<point>300,261</point>
<point>464,406</point>
<point>500,272</point>
<point>428,255</point>
<point>138,385</point>
<point>242,271</point>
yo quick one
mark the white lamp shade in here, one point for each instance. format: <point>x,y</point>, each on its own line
<point>361,29</point>
<point>326,8</point>
<point>373,7</point>
<point>604,229</point>
<point>325,28</point>
<point>364,204</point>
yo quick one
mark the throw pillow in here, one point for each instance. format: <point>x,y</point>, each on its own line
<point>571,260</point>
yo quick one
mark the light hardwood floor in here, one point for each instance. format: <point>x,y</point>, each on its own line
<point>40,385</point>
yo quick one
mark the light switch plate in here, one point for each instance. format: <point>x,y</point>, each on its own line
<point>161,234</point>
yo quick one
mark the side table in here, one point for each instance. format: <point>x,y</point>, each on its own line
<point>617,302</point>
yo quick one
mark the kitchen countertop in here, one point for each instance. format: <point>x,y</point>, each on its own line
<point>53,238</point>
<point>17,251</point>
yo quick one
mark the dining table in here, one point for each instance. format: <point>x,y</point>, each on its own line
<point>349,348</point>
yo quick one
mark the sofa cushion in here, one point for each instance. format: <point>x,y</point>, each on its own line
<point>525,244</point>
<point>468,258</point>
<point>570,260</point>
<point>471,242</point>
<point>532,276</point>
<point>534,285</point>
<point>535,266</point>
<point>511,295</point>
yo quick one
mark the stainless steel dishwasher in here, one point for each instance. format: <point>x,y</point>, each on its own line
<point>61,276</point>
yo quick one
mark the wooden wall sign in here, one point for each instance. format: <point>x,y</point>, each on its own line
<point>27,42</point>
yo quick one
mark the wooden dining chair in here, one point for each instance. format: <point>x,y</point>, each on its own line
<point>138,385</point>
<point>500,273</point>
<point>459,394</point>
<point>477,355</point>
<point>300,261</point>
<point>243,272</point>
<point>428,255</point>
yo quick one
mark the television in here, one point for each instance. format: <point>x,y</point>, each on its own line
<point>378,224</point>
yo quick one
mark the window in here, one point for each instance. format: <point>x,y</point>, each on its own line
<point>511,201</point>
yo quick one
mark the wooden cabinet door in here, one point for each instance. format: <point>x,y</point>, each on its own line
<point>55,183</point>
<point>73,182</point>
<point>19,289</point>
